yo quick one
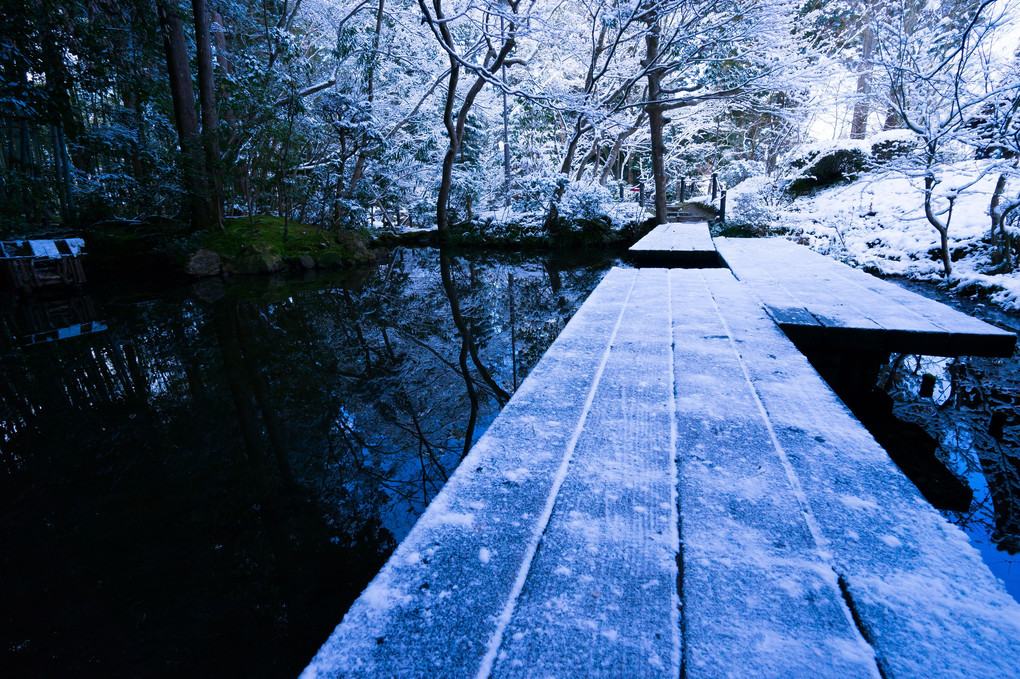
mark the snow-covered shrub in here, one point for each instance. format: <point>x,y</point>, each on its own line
<point>585,200</point>
<point>422,212</point>
<point>532,192</point>
<point>465,192</point>
<point>752,206</point>
<point>892,144</point>
<point>828,164</point>
<point>349,214</point>
<point>737,171</point>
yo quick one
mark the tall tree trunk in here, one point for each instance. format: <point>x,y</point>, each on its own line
<point>219,36</point>
<point>941,227</point>
<point>993,209</point>
<point>656,121</point>
<point>592,155</point>
<point>614,155</point>
<point>128,100</point>
<point>862,108</point>
<point>568,158</point>
<point>446,181</point>
<point>207,98</point>
<point>66,164</point>
<point>1001,238</point>
<point>455,124</point>
<point>359,164</point>
<point>243,168</point>
<point>183,95</point>
<point>58,171</point>
<point>25,147</point>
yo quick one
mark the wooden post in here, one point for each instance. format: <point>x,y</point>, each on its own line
<point>683,188</point>
<point>715,186</point>
<point>722,206</point>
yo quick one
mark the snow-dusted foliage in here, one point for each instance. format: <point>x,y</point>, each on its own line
<point>754,204</point>
<point>738,170</point>
<point>878,222</point>
<point>341,114</point>
<point>941,74</point>
<point>585,201</point>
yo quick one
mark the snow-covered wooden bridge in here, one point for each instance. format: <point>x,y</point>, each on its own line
<point>677,244</point>
<point>674,491</point>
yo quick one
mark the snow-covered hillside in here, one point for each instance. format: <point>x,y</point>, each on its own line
<point>878,222</point>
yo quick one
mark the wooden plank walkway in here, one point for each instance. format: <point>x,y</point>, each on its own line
<point>28,264</point>
<point>556,546</point>
<point>677,244</point>
<point>824,304</point>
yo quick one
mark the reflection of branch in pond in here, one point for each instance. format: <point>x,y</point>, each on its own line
<point>357,445</point>
<point>465,332</point>
<point>555,281</point>
<point>894,368</point>
<point>260,390</point>
<point>513,330</point>
<point>960,415</point>
<point>423,441</point>
<point>230,351</point>
<point>461,370</point>
<point>469,432</point>
<point>1001,466</point>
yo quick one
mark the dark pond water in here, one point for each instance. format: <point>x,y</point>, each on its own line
<point>199,482</point>
<point>973,413</point>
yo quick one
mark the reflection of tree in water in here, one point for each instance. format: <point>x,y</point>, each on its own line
<point>968,394</point>
<point>209,485</point>
<point>395,384</point>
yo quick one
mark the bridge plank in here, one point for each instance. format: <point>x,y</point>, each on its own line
<point>756,590</point>
<point>601,597</point>
<point>677,243</point>
<point>924,599</point>
<point>851,308</point>
<point>672,403</point>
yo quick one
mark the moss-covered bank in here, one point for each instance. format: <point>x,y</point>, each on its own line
<point>262,244</point>
<point>265,244</point>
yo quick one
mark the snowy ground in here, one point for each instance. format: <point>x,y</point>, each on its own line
<point>878,222</point>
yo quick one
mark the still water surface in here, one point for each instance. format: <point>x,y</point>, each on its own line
<point>198,482</point>
<point>973,413</point>
<point>204,480</point>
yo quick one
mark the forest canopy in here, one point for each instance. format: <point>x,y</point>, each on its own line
<point>353,113</point>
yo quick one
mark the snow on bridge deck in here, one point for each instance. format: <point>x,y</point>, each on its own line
<point>674,485</point>
<point>822,303</point>
<point>677,244</point>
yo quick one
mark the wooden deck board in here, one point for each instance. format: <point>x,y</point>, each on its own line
<point>750,563</point>
<point>601,595</point>
<point>677,243</point>
<point>434,606</point>
<point>926,601</point>
<point>823,303</point>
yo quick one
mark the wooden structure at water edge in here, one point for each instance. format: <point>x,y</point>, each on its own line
<point>30,264</point>
<point>674,491</point>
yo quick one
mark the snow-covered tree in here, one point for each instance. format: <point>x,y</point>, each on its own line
<point>697,52</point>
<point>936,61</point>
